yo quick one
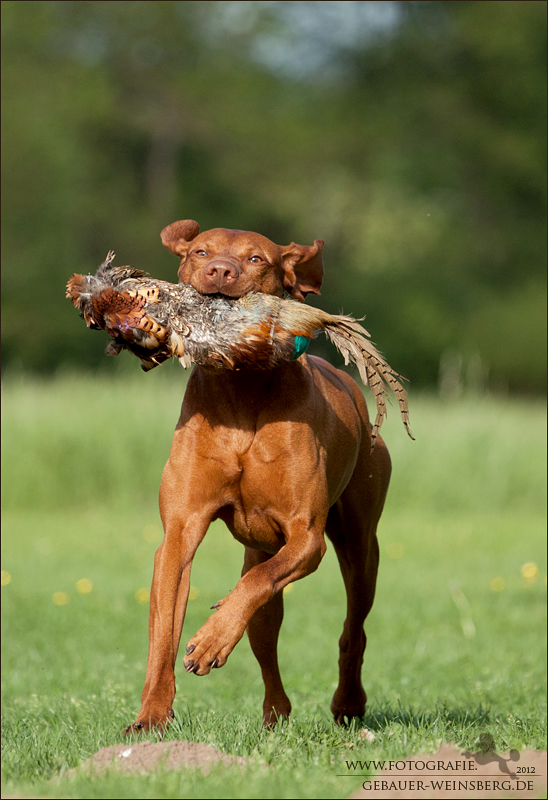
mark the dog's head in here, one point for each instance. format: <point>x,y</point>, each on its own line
<point>235,263</point>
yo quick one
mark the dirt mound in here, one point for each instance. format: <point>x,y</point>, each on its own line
<point>149,756</point>
<point>450,773</point>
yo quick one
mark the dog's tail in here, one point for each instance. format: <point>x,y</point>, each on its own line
<point>352,341</point>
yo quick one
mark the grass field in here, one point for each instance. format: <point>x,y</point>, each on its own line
<point>456,643</point>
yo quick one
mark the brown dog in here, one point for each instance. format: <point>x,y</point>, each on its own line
<point>280,457</point>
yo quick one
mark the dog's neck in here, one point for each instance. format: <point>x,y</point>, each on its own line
<point>237,398</point>
<point>238,381</point>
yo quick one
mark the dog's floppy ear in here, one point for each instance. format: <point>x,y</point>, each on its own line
<point>177,235</point>
<point>303,268</point>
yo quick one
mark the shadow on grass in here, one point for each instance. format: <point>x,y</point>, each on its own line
<point>448,717</point>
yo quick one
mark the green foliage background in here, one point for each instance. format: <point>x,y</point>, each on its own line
<point>410,136</point>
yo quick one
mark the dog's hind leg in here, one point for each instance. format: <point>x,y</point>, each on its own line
<point>263,629</point>
<point>351,526</point>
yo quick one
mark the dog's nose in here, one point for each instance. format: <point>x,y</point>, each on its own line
<point>220,272</point>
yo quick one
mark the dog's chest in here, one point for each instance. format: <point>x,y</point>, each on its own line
<point>253,527</point>
<point>280,477</point>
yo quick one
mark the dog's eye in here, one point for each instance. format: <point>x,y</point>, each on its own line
<point>200,253</point>
<point>255,259</point>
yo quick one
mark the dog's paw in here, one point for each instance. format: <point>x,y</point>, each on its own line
<point>348,705</point>
<point>158,722</point>
<point>211,646</point>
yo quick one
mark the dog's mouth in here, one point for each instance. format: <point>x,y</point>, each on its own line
<point>237,291</point>
<point>229,287</point>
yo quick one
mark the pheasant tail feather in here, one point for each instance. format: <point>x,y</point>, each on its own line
<point>352,341</point>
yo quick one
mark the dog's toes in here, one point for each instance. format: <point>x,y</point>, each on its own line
<point>157,722</point>
<point>344,718</point>
<point>348,704</point>
<point>211,646</point>
<point>204,663</point>
<point>136,727</point>
<point>200,670</point>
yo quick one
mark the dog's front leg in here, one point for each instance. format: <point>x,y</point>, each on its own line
<point>301,555</point>
<point>168,601</point>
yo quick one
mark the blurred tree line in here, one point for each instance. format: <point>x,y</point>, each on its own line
<point>410,136</point>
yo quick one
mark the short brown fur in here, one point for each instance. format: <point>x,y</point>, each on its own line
<point>281,456</point>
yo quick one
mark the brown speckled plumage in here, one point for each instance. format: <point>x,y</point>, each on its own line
<point>157,320</point>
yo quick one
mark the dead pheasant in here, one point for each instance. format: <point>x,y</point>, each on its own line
<point>157,320</point>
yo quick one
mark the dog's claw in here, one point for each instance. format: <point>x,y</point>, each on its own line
<point>135,728</point>
<point>214,663</point>
<point>216,605</point>
<point>190,649</point>
<point>189,666</point>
